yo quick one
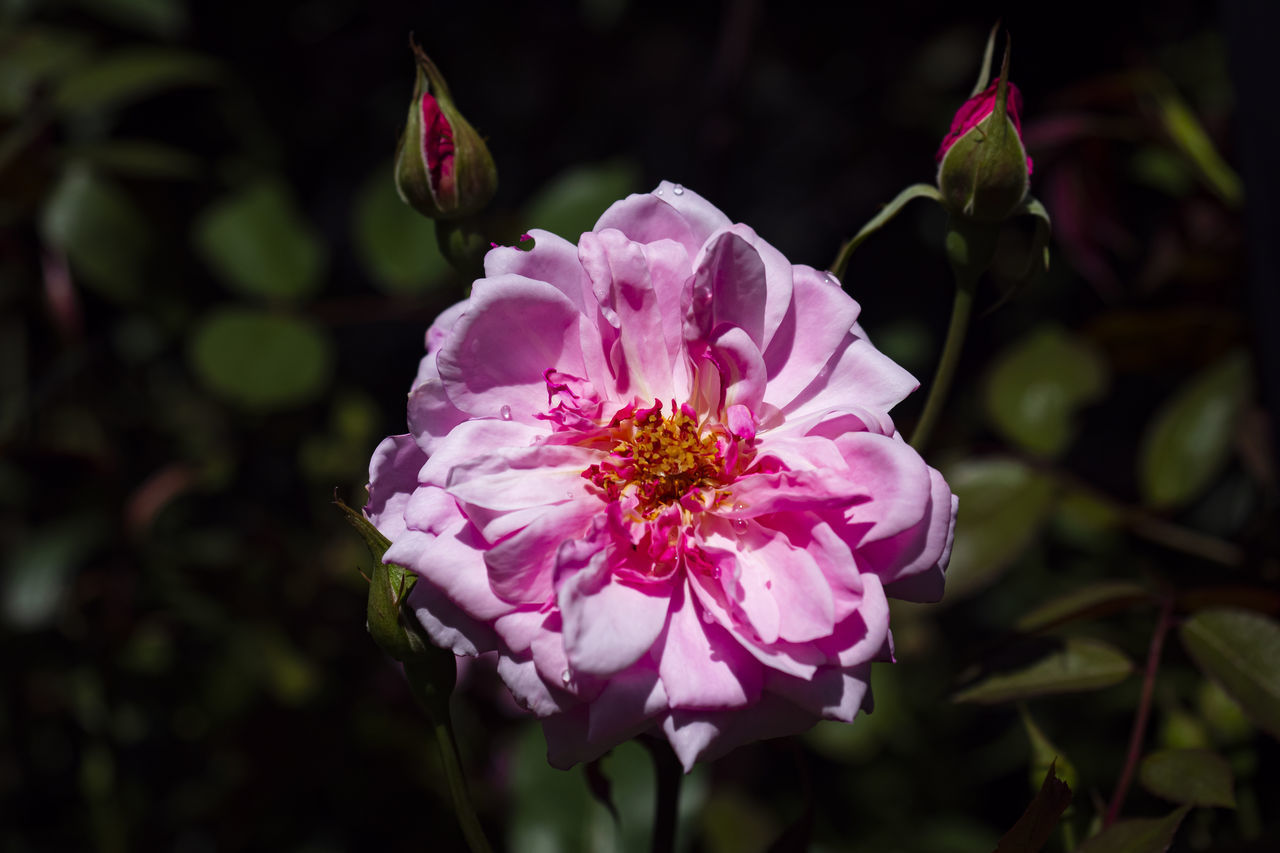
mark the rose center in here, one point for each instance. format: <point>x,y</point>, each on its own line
<point>660,459</point>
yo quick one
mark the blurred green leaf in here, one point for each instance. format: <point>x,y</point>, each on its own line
<point>259,360</point>
<point>129,75</point>
<point>157,17</point>
<point>571,202</point>
<point>733,823</point>
<point>1189,137</point>
<point>1045,755</point>
<point>1136,835</point>
<point>1087,602</point>
<point>396,243</point>
<point>1164,170</point>
<point>551,808</point>
<point>137,157</point>
<point>1037,823</point>
<point>1035,386</point>
<point>31,55</point>
<point>1081,664</point>
<point>38,572</point>
<point>1221,714</point>
<point>101,230</point>
<point>257,240</point>
<point>1003,504</point>
<point>1240,650</point>
<point>1197,777</point>
<point>1188,441</point>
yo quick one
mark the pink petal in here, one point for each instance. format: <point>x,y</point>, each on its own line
<point>431,415</point>
<point>552,259</point>
<point>520,566</point>
<point>515,329</point>
<point>706,735</point>
<point>449,626</point>
<point>440,329</point>
<point>665,214</point>
<point>833,694</point>
<point>521,477</point>
<point>857,376</point>
<point>626,706</point>
<point>894,477</point>
<point>742,372</point>
<point>528,688</point>
<point>919,547</point>
<point>609,625</point>
<point>451,561</point>
<point>701,665</point>
<point>825,313</point>
<point>476,438</point>
<point>864,636</point>
<point>619,273</point>
<point>393,477</point>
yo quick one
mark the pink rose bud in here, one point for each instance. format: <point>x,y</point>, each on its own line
<point>443,168</point>
<point>983,166</point>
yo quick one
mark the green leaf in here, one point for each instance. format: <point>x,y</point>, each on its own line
<point>137,157</point>
<point>32,55</point>
<point>1086,602</point>
<point>1037,823</point>
<point>1046,757</point>
<point>103,233</point>
<point>1197,777</point>
<point>130,75</point>
<point>1240,650</point>
<point>1036,385</point>
<point>395,242</point>
<point>1189,137</point>
<point>571,202</point>
<point>38,571</point>
<point>1004,503</point>
<point>259,360</point>
<point>1082,664</point>
<point>156,17</point>
<point>1136,835</point>
<point>259,243</point>
<point>1188,442</point>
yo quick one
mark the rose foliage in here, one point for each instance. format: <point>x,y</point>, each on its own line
<point>655,474</point>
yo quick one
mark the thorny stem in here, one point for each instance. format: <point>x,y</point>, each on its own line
<point>960,311</point>
<point>1144,711</point>
<point>667,775</point>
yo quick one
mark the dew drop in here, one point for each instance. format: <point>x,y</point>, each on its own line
<point>659,192</point>
<point>678,189</point>
<point>707,617</point>
<point>740,525</point>
<point>505,413</point>
<point>566,677</point>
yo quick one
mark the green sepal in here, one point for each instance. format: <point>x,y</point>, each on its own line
<point>881,219</point>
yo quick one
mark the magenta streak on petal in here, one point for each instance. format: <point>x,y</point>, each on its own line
<point>437,149</point>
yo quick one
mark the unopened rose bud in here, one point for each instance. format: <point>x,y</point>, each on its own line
<point>983,166</point>
<point>443,168</point>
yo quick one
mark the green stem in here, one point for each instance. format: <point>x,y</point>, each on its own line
<point>667,776</point>
<point>467,819</point>
<point>436,707</point>
<point>960,311</point>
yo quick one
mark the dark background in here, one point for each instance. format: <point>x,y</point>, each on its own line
<point>184,660</point>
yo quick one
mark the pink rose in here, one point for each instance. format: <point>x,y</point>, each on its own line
<point>655,473</point>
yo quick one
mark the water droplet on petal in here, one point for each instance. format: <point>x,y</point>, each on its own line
<point>566,677</point>
<point>659,192</point>
<point>505,413</point>
<point>707,617</point>
<point>740,525</point>
<point>678,189</point>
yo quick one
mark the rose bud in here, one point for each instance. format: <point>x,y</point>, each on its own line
<point>443,168</point>
<point>983,166</point>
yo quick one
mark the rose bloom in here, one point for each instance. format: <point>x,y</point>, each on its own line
<point>656,475</point>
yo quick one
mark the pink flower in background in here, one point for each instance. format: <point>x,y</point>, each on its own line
<point>655,473</point>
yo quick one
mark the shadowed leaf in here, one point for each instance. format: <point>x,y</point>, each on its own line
<point>1240,650</point>
<point>1081,664</point>
<point>1136,835</point>
<point>1197,777</point>
<point>1087,602</point>
<point>259,360</point>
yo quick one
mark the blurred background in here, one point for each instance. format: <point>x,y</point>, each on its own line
<point>212,304</point>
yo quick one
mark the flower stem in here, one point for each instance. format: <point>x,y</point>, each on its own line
<point>667,775</point>
<point>1144,711</point>
<point>960,311</point>
<point>436,707</point>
